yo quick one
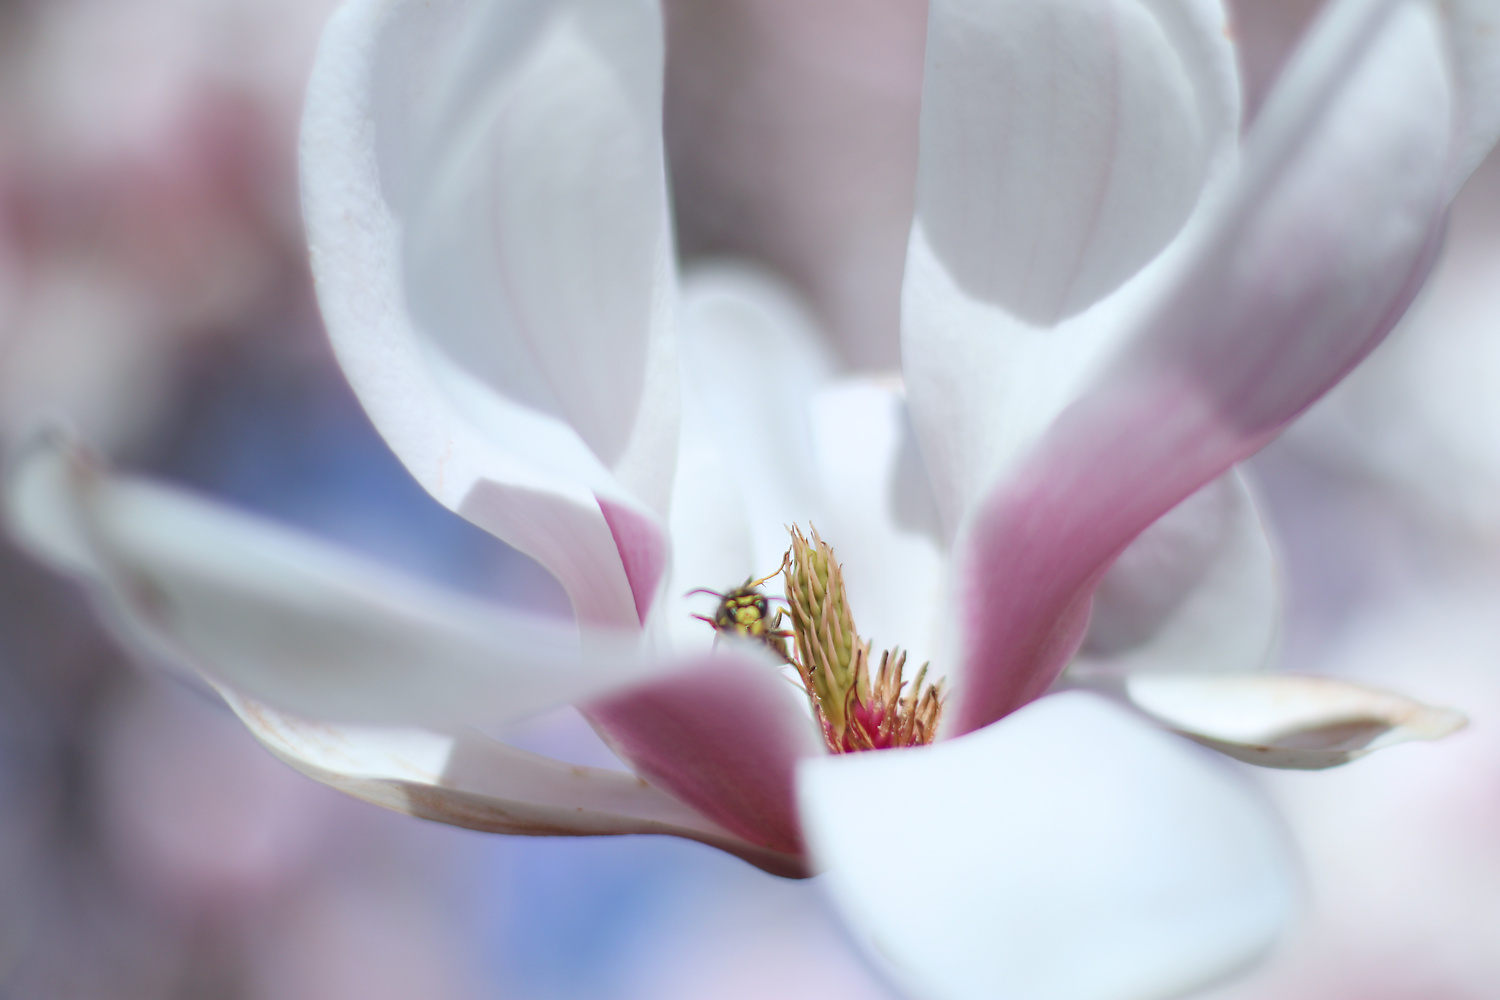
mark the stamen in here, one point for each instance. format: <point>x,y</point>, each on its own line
<point>832,661</point>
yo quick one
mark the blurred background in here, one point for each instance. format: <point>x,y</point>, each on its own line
<point>154,292</point>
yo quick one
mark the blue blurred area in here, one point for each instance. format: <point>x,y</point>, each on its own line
<point>567,915</point>
<point>268,423</point>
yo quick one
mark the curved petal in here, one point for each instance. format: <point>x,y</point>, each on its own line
<point>983,385</point>
<point>792,131</point>
<point>752,359</point>
<point>726,740</point>
<point>881,517</point>
<point>291,620</point>
<point>1326,238</point>
<point>1474,34</point>
<point>485,203</point>
<point>1069,852</point>
<point>483,784</point>
<point>1303,723</point>
<point>1199,590</point>
<point>986,378</point>
<point>1065,142</point>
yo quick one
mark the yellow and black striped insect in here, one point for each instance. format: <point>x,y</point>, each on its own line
<point>746,612</point>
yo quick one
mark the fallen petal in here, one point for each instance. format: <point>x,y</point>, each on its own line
<point>1068,852</point>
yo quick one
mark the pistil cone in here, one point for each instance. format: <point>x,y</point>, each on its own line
<point>834,662</point>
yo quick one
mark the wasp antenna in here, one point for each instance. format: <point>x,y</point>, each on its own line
<point>704,590</point>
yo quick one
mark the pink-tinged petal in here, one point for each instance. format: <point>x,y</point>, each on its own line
<point>485,203</point>
<point>1199,590</point>
<point>984,385</point>
<point>482,784</point>
<point>643,552</point>
<point>725,739</point>
<point>292,621</point>
<point>792,131</point>
<point>1069,852</point>
<point>881,516</point>
<point>1311,261</point>
<point>1285,721</point>
<point>1065,142</point>
<point>986,380</point>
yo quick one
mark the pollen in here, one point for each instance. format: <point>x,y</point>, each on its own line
<point>857,711</point>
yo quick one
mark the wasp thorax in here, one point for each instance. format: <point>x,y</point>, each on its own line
<point>745,613</point>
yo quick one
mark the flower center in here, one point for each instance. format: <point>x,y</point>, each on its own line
<point>856,711</point>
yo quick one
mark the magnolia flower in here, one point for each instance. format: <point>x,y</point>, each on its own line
<point>1106,306</point>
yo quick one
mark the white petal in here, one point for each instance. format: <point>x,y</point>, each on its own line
<point>1197,591</point>
<point>712,546</point>
<point>1068,852</point>
<point>984,385</point>
<point>1329,231</point>
<point>1305,723</point>
<point>1474,37</point>
<point>482,784</point>
<point>291,620</point>
<point>754,357</point>
<point>1065,142</point>
<point>485,203</point>
<point>985,376</point>
<point>881,517</point>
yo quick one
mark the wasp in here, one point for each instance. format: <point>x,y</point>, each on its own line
<point>746,612</point>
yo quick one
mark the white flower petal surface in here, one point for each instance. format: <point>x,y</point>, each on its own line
<point>881,516</point>
<point>983,385</point>
<point>292,621</point>
<point>1303,723</point>
<point>1065,142</point>
<point>754,357</point>
<point>482,784</point>
<point>1474,36</point>
<point>1033,182</point>
<point>485,202</point>
<point>1197,591</point>
<point>1068,852</point>
<point>1301,271</point>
